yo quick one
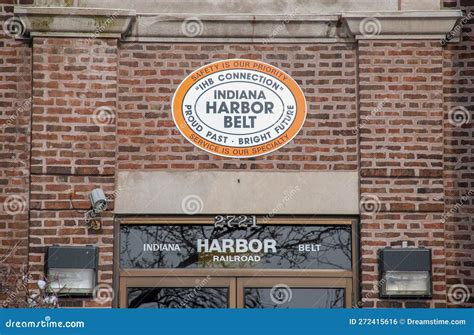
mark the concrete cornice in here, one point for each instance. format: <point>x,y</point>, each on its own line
<point>239,28</point>
<point>75,22</point>
<point>401,24</point>
<point>242,27</point>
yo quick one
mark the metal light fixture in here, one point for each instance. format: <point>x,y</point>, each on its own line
<point>98,200</point>
<point>72,270</point>
<point>405,273</point>
<point>99,204</point>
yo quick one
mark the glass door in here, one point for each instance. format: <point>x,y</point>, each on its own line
<point>178,292</point>
<point>281,292</point>
<point>232,292</point>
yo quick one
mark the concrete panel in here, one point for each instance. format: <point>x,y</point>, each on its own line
<point>319,7</point>
<point>161,192</point>
<point>420,4</point>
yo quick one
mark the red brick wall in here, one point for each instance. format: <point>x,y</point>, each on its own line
<point>99,107</point>
<point>73,147</point>
<point>15,111</point>
<point>401,158</point>
<point>150,73</point>
<point>458,88</point>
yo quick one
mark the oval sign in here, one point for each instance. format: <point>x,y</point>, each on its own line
<point>239,108</point>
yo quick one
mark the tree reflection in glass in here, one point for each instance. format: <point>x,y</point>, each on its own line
<point>177,297</point>
<point>334,253</point>
<point>298,298</point>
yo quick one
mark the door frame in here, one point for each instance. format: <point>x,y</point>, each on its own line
<point>235,285</point>
<point>350,276</point>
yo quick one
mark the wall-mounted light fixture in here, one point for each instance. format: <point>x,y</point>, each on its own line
<point>72,270</point>
<point>405,273</point>
<point>98,200</point>
<point>99,204</point>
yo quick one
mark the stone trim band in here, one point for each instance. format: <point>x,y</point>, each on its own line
<point>264,28</point>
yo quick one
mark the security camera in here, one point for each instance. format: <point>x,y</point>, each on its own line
<point>98,200</point>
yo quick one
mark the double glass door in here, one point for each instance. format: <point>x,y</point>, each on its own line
<point>201,262</point>
<point>235,292</point>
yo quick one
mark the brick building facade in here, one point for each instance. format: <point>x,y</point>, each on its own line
<point>395,110</point>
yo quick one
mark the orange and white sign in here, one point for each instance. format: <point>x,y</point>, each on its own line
<point>239,108</point>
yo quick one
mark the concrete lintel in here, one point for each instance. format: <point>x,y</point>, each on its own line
<point>228,192</point>
<point>267,28</point>
<point>411,24</point>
